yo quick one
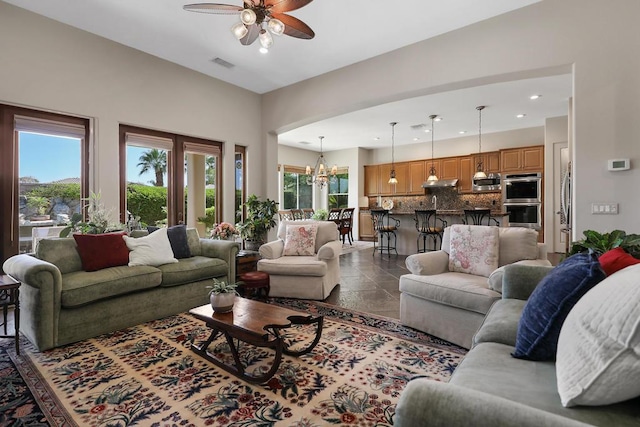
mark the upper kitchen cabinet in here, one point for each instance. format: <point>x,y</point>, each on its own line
<point>371,180</point>
<point>417,175</point>
<point>524,159</point>
<point>449,168</point>
<point>467,169</point>
<point>490,161</point>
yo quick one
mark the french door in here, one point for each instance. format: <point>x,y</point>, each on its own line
<point>44,175</point>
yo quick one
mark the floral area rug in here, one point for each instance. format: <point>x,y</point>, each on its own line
<point>148,376</point>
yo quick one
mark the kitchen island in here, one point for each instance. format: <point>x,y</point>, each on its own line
<point>408,235</point>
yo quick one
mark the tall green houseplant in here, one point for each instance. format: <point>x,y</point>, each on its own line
<point>260,219</point>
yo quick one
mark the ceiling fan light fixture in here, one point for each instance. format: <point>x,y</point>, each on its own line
<point>248,17</point>
<point>266,41</point>
<point>239,30</point>
<point>276,26</point>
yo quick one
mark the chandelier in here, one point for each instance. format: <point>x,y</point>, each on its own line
<point>392,176</point>
<point>319,175</point>
<point>432,170</point>
<point>479,168</point>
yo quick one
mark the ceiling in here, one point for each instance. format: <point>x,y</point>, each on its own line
<point>346,32</point>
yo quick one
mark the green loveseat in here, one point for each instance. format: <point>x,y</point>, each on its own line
<point>491,388</point>
<point>60,303</point>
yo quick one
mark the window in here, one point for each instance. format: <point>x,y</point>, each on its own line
<point>168,179</point>
<point>298,193</point>
<point>45,175</point>
<point>339,191</point>
<point>240,196</point>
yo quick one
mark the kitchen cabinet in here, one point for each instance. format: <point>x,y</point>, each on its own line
<point>402,173</point>
<point>371,180</point>
<point>524,159</point>
<point>365,225</point>
<point>467,169</point>
<point>449,168</point>
<point>490,161</point>
<point>417,175</point>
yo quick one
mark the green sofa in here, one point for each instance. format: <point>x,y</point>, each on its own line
<point>60,303</point>
<point>491,388</point>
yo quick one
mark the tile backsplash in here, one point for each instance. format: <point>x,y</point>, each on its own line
<point>448,199</point>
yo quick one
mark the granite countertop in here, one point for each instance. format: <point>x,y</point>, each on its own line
<point>449,212</point>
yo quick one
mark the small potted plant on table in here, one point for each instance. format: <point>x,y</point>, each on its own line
<point>222,295</point>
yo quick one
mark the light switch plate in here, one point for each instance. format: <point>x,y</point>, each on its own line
<point>604,208</point>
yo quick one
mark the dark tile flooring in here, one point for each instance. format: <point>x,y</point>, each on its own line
<point>369,282</point>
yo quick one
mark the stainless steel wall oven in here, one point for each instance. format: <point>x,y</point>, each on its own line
<point>522,199</point>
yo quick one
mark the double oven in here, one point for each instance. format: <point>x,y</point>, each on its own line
<point>522,199</point>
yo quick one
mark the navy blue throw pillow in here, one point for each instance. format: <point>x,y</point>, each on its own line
<point>550,303</point>
<point>178,240</point>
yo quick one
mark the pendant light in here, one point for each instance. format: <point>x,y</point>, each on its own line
<point>432,171</point>
<point>392,176</point>
<point>480,167</point>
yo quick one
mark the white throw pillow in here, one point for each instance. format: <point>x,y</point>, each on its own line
<point>153,249</point>
<point>300,240</point>
<point>598,358</point>
<point>473,249</point>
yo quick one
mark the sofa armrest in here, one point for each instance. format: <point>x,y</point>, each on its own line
<point>542,251</point>
<point>428,263</point>
<point>520,279</point>
<point>225,250</point>
<point>497,276</point>
<point>330,250</point>
<point>272,250</point>
<point>431,403</point>
<point>40,298</point>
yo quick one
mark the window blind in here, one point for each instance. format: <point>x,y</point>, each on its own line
<point>49,127</point>
<point>148,141</point>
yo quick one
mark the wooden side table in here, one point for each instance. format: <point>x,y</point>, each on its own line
<point>10,295</point>
<point>246,261</point>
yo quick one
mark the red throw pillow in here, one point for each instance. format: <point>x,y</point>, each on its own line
<point>98,251</point>
<point>616,259</point>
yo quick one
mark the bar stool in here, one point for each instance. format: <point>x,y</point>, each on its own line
<point>477,216</point>
<point>428,227</point>
<point>385,226</point>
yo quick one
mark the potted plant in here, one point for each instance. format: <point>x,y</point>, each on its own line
<point>603,242</point>
<point>40,205</point>
<point>260,219</point>
<point>222,295</point>
<point>320,215</point>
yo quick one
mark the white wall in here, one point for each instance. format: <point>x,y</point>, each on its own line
<point>51,66</point>
<point>597,41</point>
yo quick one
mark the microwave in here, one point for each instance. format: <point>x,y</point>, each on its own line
<point>522,188</point>
<point>490,183</point>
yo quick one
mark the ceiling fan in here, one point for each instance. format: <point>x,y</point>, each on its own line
<point>260,18</point>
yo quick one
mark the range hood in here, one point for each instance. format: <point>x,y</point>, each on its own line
<point>440,183</point>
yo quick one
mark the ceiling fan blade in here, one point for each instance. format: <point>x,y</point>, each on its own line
<point>252,35</point>
<point>218,8</point>
<point>280,6</point>
<point>294,27</point>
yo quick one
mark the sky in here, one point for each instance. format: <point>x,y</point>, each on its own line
<point>50,158</point>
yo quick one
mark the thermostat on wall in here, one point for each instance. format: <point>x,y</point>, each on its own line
<point>619,164</point>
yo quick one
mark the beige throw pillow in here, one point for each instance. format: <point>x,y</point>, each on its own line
<point>473,249</point>
<point>154,249</point>
<point>598,357</point>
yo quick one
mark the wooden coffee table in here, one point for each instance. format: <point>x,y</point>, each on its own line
<point>255,323</point>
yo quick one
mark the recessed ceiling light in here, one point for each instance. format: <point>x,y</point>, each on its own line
<point>264,50</point>
<point>520,116</point>
<point>438,119</point>
<point>377,138</point>
<point>427,130</point>
<point>416,139</point>
<point>535,96</point>
<point>462,132</point>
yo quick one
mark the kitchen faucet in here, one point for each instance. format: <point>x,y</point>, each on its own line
<point>434,201</point>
